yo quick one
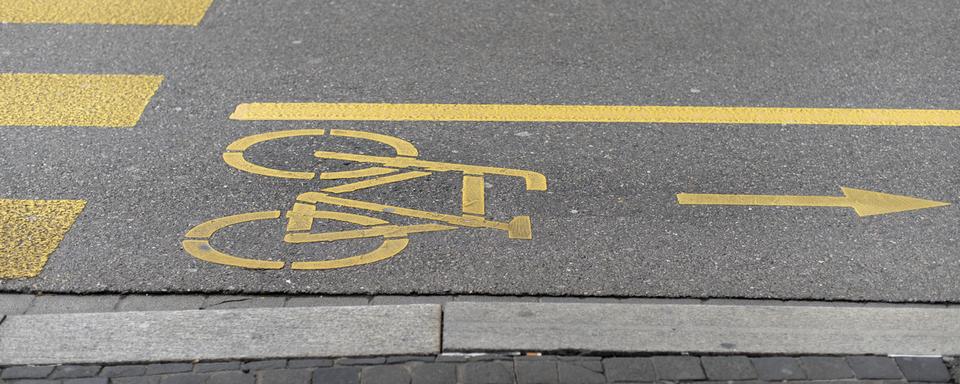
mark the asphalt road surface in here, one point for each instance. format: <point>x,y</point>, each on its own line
<point>609,221</point>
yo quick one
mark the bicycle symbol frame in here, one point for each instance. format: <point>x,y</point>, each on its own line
<point>404,165</point>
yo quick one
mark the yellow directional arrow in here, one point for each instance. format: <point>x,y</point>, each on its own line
<point>865,203</point>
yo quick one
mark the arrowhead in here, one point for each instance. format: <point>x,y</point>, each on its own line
<point>869,203</point>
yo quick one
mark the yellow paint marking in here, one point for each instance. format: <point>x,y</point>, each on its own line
<point>356,186</point>
<point>596,113</point>
<point>236,160</point>
<point>389,248</point>
<point>198,244</point>
<point>302,216</point>
<point>864,203</point>
<point>30,230</point>
<point>356,174</point>
<point>473,195</point>
<point>403,147</point>
<point>28,99</point>
<point>383,230</point>
<point>135,12</point>
<point>534,181</point>
<point>515,228</point>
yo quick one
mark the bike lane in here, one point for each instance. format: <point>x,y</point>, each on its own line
<point>614,216</point>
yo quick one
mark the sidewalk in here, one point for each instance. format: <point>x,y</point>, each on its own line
<point>467,339</point>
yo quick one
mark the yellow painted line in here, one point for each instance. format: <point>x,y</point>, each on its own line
<point>369,183</point>
<point>473,198</point>
<point>30,230</point>
<point>134,12</point>
<point>28,99</point>
<point>596,113</point>
<point>864,203</point>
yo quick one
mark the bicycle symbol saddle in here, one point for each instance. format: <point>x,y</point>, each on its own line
<point>404,165</point>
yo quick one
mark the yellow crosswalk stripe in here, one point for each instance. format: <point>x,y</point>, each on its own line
<point>30,230</point>
<point>136,12</point>
<point>28,99</point>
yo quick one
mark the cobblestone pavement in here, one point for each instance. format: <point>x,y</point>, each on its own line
<point>502,369</point>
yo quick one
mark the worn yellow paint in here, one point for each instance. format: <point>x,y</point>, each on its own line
<point>198,245</point>
<point>30,230</point>
<point>515,229</point>
<point>473,199</point>
<point>388,231</point>
<point>46,99</point>
<point>369,183</point>
<point>596,113</point>
<point>236,160</point>
<point>389,248</point>
<point>356,174</point>
<point>534,181</point>
<point>402,147</point>
<point>864,203</point>
<point>135,12</point>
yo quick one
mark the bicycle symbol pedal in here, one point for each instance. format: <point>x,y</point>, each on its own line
<point>404,165</point>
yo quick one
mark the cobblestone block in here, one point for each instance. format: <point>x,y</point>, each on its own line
<point>284,376</point>
<point>214,367</point>
<point>136,380</point>
<point>160,369</point>
<point>925,369</point>
<point>160,302</point>
<point>405,359</point>
<point>627,369</point>
<point>14,303</point>
<point>123,371</point>
<point>399,300</point>
<point>233,302</point>
<point>337,375</point>
<point>385,374</point>
<point>231,377</point>
<point>87,380</point>
<point>572,373</point>
<point>73,304</point>
<point>183,378</point>
<point>678,368</point>
<point>825,368</point>
<point>433,373</point>
<point>536,371</point>
<point>874,367</point>
<point>778,368</point>
<point>728,368</point>
<point>361,361</point>
<point>72,371</point>
<point>487,372</point>
<point>309,363</point>
<point>27,372</point>
<point>320,301</point>
<point>263,364</point>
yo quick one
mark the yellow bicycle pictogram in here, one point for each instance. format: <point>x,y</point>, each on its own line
<point>404,165</point>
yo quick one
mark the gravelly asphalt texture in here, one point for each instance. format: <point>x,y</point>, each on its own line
<point>608,224</point>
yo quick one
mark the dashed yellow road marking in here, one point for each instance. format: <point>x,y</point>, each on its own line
<point>595,113</point>
<point>864,203</point>
<point>74,100</point>
<point>138,12</point>
<point>30,230</point>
